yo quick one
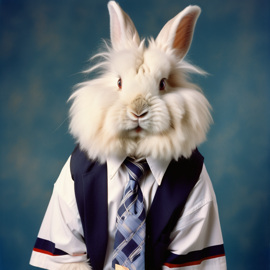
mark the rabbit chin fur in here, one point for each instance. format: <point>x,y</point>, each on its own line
<point>140,119</point>
<point>76,266</point>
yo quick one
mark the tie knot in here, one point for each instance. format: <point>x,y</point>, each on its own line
<point>136,169</point>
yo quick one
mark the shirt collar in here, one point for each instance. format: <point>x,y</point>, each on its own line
<point>157,166</point>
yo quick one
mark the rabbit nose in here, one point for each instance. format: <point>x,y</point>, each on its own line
<point>138,108</point>
<point>140,115</point>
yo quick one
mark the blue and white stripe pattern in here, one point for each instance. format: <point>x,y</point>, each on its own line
<point>129,244</point>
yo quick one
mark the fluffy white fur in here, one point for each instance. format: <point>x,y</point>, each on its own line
<point>139,119</point>
<point>76,266</point>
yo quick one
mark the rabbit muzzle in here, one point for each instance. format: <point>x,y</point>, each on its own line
<point>137,112</point>
<point>138,107</point>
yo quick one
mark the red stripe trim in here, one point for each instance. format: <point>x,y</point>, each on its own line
<point>170,265</point>
<point>44,252</point>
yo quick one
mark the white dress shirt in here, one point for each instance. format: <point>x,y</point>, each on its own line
<point>198,226</point>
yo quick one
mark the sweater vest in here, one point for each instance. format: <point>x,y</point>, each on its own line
<point>90,183</point>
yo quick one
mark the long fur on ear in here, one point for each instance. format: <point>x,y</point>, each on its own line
<point>124,112</point>
<point>178,32</point>
<point>123,31</point>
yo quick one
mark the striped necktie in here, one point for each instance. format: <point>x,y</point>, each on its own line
<point>129,244</point>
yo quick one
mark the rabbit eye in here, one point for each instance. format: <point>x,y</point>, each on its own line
<point>162,84</point>
<point>119,83</point>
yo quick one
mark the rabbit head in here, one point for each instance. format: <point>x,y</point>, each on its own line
<point>142,103</point>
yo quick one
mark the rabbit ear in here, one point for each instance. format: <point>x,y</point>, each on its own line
<point>178,32</point>
<point>122,28</point>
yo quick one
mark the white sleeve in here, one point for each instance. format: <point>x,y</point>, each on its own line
<point>196,240</point>
<point>60,239</point>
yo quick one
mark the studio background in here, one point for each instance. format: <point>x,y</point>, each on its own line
<point>44,45</point>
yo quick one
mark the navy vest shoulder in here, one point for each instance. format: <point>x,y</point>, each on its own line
<point>90,179</point>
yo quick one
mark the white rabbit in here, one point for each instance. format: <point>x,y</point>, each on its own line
<point>142,104</point>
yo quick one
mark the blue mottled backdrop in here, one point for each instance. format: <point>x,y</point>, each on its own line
<point>43,47</point>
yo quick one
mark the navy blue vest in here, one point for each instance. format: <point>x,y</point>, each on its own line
<point>90,179</point>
